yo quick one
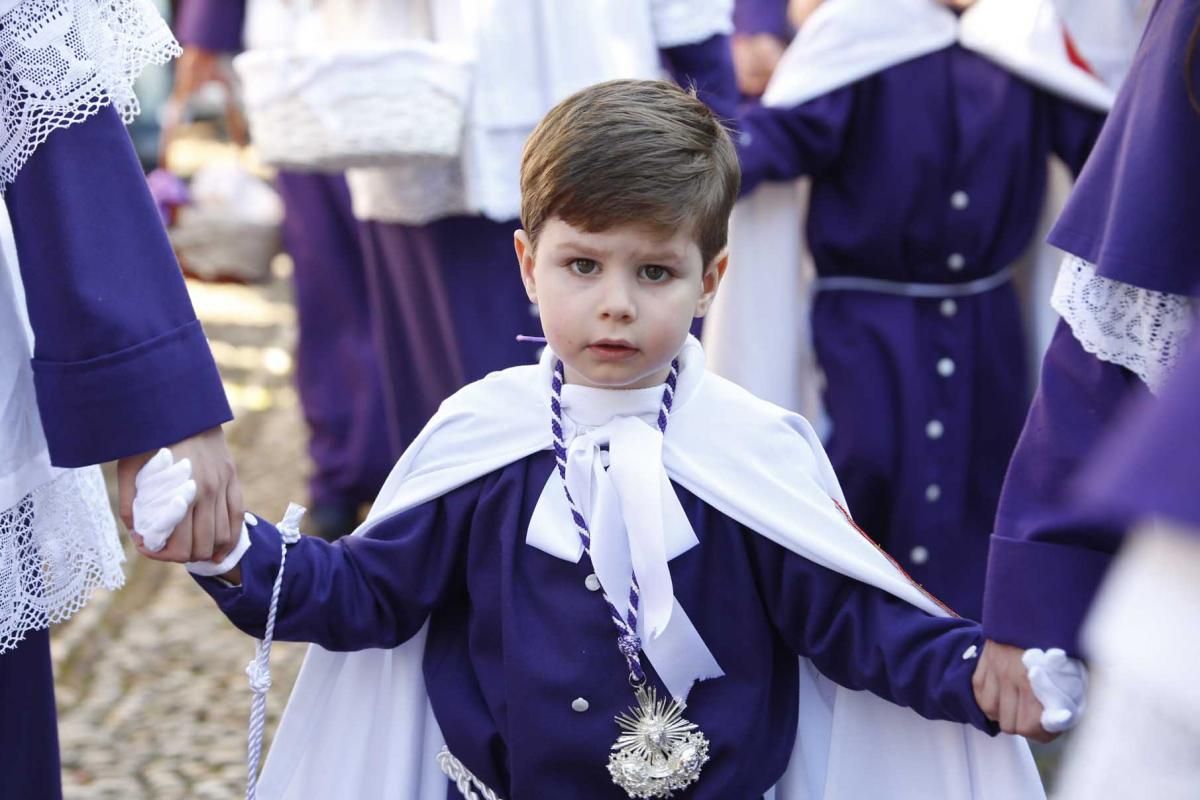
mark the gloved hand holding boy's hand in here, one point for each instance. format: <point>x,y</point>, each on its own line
<point>1032,693</point>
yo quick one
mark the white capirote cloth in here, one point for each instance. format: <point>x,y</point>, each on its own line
<point>769,282</point>
<point>360,724</point>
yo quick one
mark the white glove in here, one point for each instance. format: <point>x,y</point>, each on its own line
<point>163,493</point>
<point>1060,685</point>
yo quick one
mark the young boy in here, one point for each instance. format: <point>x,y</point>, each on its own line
<point>613,528</point>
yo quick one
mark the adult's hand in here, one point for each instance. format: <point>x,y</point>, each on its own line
<point>195,67</point>
<point>1003,692</point>
<point>210,529</point>
<point>755,57</point>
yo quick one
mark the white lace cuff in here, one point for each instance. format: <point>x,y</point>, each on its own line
<point>57,545</point>
<point>1138,329</point>
<point>61,61</point>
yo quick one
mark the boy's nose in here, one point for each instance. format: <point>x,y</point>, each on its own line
<point>617,301</point>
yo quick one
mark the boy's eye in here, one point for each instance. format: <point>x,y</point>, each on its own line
<point>655,273</point>
<point>584,266</point>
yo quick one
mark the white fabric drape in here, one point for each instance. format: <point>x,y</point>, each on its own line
<point>359,724</point>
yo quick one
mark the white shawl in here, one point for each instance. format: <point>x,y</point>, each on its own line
<point>360,724</point>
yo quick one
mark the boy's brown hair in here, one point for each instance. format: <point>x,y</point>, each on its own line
<point>632,151</point>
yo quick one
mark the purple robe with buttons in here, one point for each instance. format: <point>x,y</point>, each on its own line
<point>338,373</point>
<point>1132,214</point>
<point>447,297</point>
<point>121,365</point>
<point>521,662</point>
<point>931,171</point>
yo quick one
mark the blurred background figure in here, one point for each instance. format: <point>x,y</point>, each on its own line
<point>762,30</point>
<point>926,131</point>
<point>337,364</point>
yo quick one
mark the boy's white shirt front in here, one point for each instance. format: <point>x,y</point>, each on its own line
<point>360,724</point>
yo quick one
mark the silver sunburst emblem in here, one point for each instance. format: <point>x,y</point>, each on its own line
<point>658,750</point>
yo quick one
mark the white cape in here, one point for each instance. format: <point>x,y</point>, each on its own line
<point>360,724</point>
<point>767,290</point>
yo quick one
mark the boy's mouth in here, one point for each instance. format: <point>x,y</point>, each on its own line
<point>611,349</point>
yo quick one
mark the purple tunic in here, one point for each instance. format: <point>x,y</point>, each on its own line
<point>447,296</point>
<point>338,373</point>
<point>121,365</point>
<point>515,637</point>
<point>931,171</point>
<point>762,16</point>
<point>1132,213</point>
<point>1149,465</point>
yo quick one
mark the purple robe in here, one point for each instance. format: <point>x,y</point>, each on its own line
<point>447,296</point>
<point>338,374</point>
<point>1150,464</point>
<point>1132,214</point>
<point>762,16</point>
<point>931,171</point>
<point>516,639</point>
<point>121,365</point>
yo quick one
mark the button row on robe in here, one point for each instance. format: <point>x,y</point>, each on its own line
<point>960,200</point>
<point>592,583</point>
<point>933,493</point>
<point>956,261</point>
<point>948,307</point>
<point>919,555</point>
<point>946,367</point>
<point>580,705</point>
<point>934,429</point>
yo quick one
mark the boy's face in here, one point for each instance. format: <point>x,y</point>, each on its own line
<point>616,306</point>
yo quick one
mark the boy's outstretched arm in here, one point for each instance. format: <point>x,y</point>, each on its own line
<point>864,638</point>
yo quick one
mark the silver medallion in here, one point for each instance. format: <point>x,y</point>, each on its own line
<point>658,751</point>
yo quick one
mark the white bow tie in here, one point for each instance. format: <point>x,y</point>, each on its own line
<point>637,525</point>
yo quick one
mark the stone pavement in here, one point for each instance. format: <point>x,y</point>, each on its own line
<point>152,691</point>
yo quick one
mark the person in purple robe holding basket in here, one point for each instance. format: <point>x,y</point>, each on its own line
<point>613,574</point>
<point>338,371</point>
<point>101,355</point>
<point>924,130</point>
<point>1127,292</point>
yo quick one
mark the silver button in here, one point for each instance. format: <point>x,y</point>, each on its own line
<point>919,555</point>
<point>946,367</point>
<point>933,492</point>
<point>579,705</point>
<point>745,138</point>
<point>592,583</point>
<point>934,429</point>
<point>534,311</point>
<point>960,200</point>
<point>970,653</point>
<point>956,261</point>
<point>948,307</point>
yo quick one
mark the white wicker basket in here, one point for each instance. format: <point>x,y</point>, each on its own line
<point>376,105</point>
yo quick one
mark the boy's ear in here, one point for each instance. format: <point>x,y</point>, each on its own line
<point>524,248</point>
<point>713,274</point>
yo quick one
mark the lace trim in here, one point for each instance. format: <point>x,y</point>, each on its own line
<point>1138,329</point>
<point>64,60</point>
<point>57,545</point>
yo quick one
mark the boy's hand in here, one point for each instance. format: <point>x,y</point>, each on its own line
<point>1003,692</point>
<point>210,528</point>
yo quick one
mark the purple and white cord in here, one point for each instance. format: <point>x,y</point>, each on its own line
<point>628,641</point>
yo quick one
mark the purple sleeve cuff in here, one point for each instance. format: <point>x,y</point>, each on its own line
<point>762,16</point>
<point>211,24</point>
<point>1037,593</point>
<point>155,393</point>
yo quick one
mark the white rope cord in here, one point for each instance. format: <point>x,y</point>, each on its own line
<point>464,780</point>
<point>259,668</point>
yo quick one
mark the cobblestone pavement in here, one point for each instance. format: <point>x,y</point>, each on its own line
<point>152,692</point>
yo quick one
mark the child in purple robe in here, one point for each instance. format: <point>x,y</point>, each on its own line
<point>616,534</point>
